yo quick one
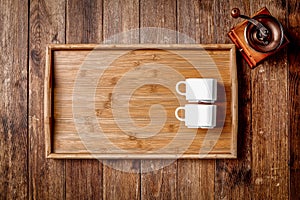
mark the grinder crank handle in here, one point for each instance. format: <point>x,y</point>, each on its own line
<point>235,13</point>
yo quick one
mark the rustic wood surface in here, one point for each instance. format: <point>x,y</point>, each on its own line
<point>269,104</point>
<point>233,178</point>
<point>46,25</point>
<point>293,20</point>
<point>270,130</point>
<point>13,101</point>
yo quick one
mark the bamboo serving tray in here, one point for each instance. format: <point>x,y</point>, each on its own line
<point>118,101</point>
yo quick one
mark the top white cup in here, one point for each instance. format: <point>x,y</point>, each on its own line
<point>199,89</point>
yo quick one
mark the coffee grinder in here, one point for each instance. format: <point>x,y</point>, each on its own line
<point>257,37</point>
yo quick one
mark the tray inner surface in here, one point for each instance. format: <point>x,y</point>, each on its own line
<point>115,102</point>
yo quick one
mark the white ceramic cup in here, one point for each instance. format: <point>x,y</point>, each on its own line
<point>198,115</point>
<point>199,89</point>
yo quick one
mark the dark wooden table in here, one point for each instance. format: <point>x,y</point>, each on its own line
<point>268,164</point>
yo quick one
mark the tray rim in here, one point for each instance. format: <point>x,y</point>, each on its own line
<point>48,100</point>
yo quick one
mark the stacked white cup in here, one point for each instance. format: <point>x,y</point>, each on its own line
<point>203,90</point>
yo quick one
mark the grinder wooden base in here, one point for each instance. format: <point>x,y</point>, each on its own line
<point>252,56</point>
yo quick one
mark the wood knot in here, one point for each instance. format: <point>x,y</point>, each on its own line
<point>155,57</point>
<point>55,40</point>
<point>114,80</point>
<point>98,112</point>
<point>131,137</point>
<point>35,56</point>
<point>173,128</point>
<point>136,63</point>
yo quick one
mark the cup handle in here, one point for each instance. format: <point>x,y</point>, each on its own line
<point>176,113</point>
<point>177,87</point>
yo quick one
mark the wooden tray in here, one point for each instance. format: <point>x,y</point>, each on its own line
<point>118,101</point>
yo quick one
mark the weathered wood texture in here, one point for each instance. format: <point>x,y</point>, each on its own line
<point>13,100</point>
<point>121,179</point>
<point>270,144</point>
<point>47,25</point>
<point>293,10</point>
<point>84,21</point>
<point>269,107</point>
<point>233,178</point>
<point>84,177</point>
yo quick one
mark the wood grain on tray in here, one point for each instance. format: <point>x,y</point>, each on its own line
<point>110,101</point>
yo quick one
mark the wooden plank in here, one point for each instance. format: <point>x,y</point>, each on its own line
<point>120,18</point>
<point>84,21</point>
<point>158,22</point>
<point>195,177</point>
<point>233,177</point>
<point>13,100</point>
<point>196,20</point>
<point>84,25</point>
<point>83,179</point>
<point>294,96</point>
<point>121,178</point>
<point>270,142</point>
<point>159,177</point>
<point>47,25</point>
